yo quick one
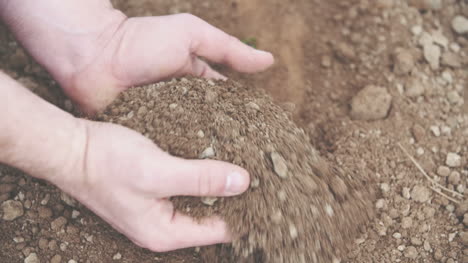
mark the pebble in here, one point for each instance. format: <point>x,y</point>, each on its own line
<point>460,24</point>
<point>443,171</point>
<point>464,238</point>
<point>75,214</point>
<point>293,231</point>
<point>253,105</point>
<point>207,153</point>
<point>380,204</point>
<point>454,178</point>
<point>67,199</point>
<point>420,193</point>
<point>453,160</point>
<point>209,201</point>
<point>432,53</point>
<point>406,193</point>
<point>416,241</point>
<point>56,259</point>
<point>44,212</point>
<point>396,235</point>
<point>117,256</point>
<point>427,246</point>
<point>32,258</point>
<point>404,62</point>
<point>435,130</point>
<point>371,103</point>
<point>451,60</point>
<point>200,134</point>
<point>406,222</point>
<point>11,210</point>
<point>417,30</point>
<point>414,88</point>
<point>58,223</point>
<point>411,252</point>
<point>279,165</point>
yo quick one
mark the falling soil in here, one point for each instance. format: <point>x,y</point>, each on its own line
<point>298,208</point>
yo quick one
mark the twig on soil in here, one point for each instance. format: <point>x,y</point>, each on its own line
<point>426,175</point>
<point>444,195</point>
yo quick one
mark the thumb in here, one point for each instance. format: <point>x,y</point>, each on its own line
<point>202,178</point>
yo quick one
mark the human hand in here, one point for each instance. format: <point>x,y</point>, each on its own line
<point>127,181</point>
<point>98,52</point>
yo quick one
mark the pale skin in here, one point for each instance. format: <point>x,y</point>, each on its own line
<point>95,52</point>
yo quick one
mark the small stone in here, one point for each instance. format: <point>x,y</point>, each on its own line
<point>253,105</point>
<point>72,261</point>
<point>411,252</point>
<point>45,200</point>
<point>427,246</point>
<point>443,171</point>
<point>385,188</point>
<point>417,30</point>
<point>209,201</point>
<point>67,199</point>
<point>345,52</point>
<point>451,59</point>
<point>279,165</point>
<point>200,134</point>
<point>465,220</point>
<point>75,214</point>
<point>207,153</point>
<point>380,204</point>
<point>32,258</point>
<point>418,132</point>
<point>56,259</point>
<point>117,256</point>
<point>406,222</point>
<point>58,223</point>
<point>11,210</point>
<point>452,236</point>
<point>396,235</point>
<point>406,193</point>
<point>432,53</point>
<point>371,103</point>
<point>416,241</point>
<point>255,183</point>
<point>173,106</point>
<point>420,194</point>
<point>414,88</point>
<point>44,212</point>
<point>464,238</point>
<point>43,243</point>
<point>326,61</point>
<point>18,239</point>
<point>453,97</point>
<point>460,24</point>
<point>435,130</point>
<point>454,178</point>
<point>401,247</point>
<point>453,160</point>
<point>293,231</point>
<point>404,62</point>
<point>420,151</point>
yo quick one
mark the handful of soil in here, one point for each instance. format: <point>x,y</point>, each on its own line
<point>298,207</point>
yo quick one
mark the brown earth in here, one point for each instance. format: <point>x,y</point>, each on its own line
<point>327,51</point>
<point>298,208</point>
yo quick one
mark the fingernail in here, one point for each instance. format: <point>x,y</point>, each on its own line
<point>261,52</point>
<point>235,183</point>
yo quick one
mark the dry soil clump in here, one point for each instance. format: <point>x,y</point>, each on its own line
<point>299,208</point>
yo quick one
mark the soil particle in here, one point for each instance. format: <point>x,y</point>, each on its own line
<point>32,258</point>
<point>58,223</point>
<point>420,193</point>
<point>11,210</point>
<point>371,103</point>
<point>411,252</point>
<point>56,259</point>
<point>460,24</point>
<point>414,88</point>
<point>404,62</point>
<point>432,53</point>
<point>315,209</point>
<point>453,160</point>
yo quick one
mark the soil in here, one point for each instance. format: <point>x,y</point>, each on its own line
<point>328,52</point>
<point>298,208</point>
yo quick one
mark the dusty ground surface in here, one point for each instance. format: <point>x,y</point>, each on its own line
<point>327,52</point>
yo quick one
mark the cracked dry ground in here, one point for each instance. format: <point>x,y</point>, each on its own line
<point>405,56</point>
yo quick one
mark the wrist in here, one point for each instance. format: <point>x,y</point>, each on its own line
<point>37,137</point>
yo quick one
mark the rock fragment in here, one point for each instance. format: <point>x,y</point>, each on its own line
<point>207,153</point>
<point>432,53</point>
<point>279,165</point>
<point>404,62</point>
<point>32,258</point>
<point>460,24</point>
<point>371,103</point>
<point>453,160</point>
<point>420,193</point>
<point>12,210</point>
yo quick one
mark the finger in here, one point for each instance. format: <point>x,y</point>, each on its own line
<point>201,178</point>
<point>199,68</point>
<point>215,45</point>
<point>173,230</point>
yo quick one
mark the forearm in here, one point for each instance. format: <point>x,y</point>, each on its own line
<point>36,136</point>
<point>70,28</point>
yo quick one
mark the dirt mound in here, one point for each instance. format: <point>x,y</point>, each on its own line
<point>299,208</point>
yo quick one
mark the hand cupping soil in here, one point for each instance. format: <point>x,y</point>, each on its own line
<point>298,208</point>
